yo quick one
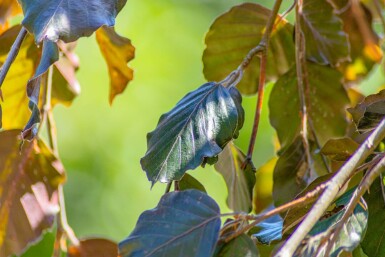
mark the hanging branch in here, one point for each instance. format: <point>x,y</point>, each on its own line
<point>332,190</point>
<point>12,54</point>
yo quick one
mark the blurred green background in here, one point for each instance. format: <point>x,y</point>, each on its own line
<point>101,145</point>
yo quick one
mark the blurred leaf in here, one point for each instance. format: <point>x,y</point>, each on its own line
<point>197,128</point>
<point>43,248</point>
<point>52,20</point>
<point>340,149</point>
<point>94,247</point>
<point>364,47</point>
<point>8,9</point>
<point>263,188</point>
<point>239,246</point>
<point>28,196</point>
<point>50,54</point>
<point>234,34</point>
<point>240,182</point>
<point>367,114</point>
<point>269,231</point>
<point>295,215</point>
<point>183,222</point>
<point>350,236</point>
<point>117,51</point>
<point>189,182</point>
<point>65,86</point>
<point>327,100</point>
<point>326,42</point>
<point>373,243</point>
<point>15,105</point>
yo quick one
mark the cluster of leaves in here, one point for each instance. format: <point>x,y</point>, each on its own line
<point>315,74</point>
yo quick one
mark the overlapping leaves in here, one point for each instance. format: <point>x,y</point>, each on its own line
<point>234,34</point>
<point>185,222</point>
<point>52,20</point>
<point>28,196</point>
<point>194,132</point>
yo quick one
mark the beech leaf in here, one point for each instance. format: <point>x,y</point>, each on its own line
<point>234,34</point>
<point>68,19</point>
<point>28,199</point>
<point>94,247</point>
<point>194,132</point>
<point>189,182</point>
<point>314,244</point>
<point>184,222</point>
<point>325,39</point>
<point>240,182</point>
<point>239,246</point>
<point>8,9</point>
<point>117,51</point>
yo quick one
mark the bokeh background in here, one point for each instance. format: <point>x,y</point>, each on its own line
<point>101,145</point>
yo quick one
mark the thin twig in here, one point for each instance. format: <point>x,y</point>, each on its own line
<point>12,54</point>
<point>258,218</point>
<point>382,187</point>
<point>262,48</point>
<point>331,191</point>
<point>364,185</point>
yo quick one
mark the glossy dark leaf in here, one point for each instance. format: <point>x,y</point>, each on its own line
<point>184,222</point>
<point>373,243</point>
<point>28,199</point>
<point>240,182</point>
<point>189,182</point>
<point>234,34</point>
<point>326,41</point>
<point>117,51</point>
<point>94,247</point>
<point>197,128</point>
<point>314,244</point>
<point>339,149</point>
<point>50,54</point>
<point>239,246</point>
<point>327,100</point>
<point>269,230</point>
<point>367,114</point>
<point>68,19</point>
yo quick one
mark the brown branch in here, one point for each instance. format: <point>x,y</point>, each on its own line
<point>12,54</point>
<point>332,189</point>
<point>364,185</point>
<point>258,218</point>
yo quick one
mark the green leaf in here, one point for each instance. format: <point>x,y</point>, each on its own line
<point>239,246</point>
<point>350,236</point>
<point>197,128</point>
<point>94,247</point>
<point>189,182</point>
<point>340,149</point>
<point>367,114</point>
<point>240,182</point>
<point>326,42</point>
<point>117,51</point>
<point>184,222</point>
<point>234,34</point>
<point>68,19</point>
<point>28,199</point>
<point>373,243</point>
<point>327,100</point>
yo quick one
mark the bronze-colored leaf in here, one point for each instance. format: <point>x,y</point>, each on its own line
<point>234,34</point>
<point>94,247</point>
<point>117,51</point>
<point>340,149</point>
<point>28,195</point>
<point>8,9</point>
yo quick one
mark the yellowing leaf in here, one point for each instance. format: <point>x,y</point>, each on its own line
<point>28,191</point>
<point>117,51</point>
<point>263,189</point>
